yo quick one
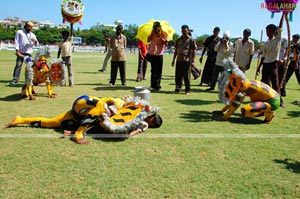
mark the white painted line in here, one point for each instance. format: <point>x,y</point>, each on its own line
<point>145,135</point>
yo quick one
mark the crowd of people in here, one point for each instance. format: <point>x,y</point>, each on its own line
<point>274,54</point>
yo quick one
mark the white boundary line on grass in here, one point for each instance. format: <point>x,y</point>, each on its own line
<point>185,136</point>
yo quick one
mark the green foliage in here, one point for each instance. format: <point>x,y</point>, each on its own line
<point>48,35</point>
<point>200,40</point>
<point>256,43</point>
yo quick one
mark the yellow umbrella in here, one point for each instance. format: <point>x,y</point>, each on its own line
<point>145,29</point>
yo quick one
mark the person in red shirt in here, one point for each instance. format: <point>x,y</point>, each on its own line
<point>142,64</point>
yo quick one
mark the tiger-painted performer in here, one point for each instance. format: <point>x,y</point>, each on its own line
<point>234,87</point>
<point>38,72</point>
<point>127,115</point>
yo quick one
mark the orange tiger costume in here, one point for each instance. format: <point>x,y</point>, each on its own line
<point>233,89</point>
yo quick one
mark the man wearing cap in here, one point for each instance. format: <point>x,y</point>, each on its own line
<point>224,49</point>
<point>244,49</point>
<point>24,42</point>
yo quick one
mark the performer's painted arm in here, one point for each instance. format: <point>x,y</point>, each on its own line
<point>79,135</point>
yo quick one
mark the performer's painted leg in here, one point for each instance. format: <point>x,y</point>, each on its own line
<point>51,94</point>
<point>61,120</point>
<point>256,109</point>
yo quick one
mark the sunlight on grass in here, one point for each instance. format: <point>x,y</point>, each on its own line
<point>190,156</point>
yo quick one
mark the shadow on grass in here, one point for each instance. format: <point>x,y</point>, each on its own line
<point>6,82</point>
<point>14,97</point>
<point>113,88</point>
<point>292,114</point>
<point>167,77</point>
<point>197,116</point>
<point>291,165</point>
<point>207,116</point>
<point>98,133</point>
<point>194,102</point>
<point>239,119</point>
<point>89,72</point>
<point>245,120</point>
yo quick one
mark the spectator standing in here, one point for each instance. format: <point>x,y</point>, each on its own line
<point>142,62</point>
<point>108,53</point>
<point>244,50</point>
<point>270,57</point>
<point>158,41</point>
<point>185,53</point>
<point>118,60</point>
<point>294,63</point>
<point>65,50</point>
<point>209,66</point>
<point>223,49</point>
<point>24,41</point>
<point>281,64</point>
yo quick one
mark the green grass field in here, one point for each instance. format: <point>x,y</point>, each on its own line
<point>190,156</point>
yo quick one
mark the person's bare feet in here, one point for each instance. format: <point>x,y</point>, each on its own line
<point>53,95</point>
<point>31,97</point>
<point>12,123</point>
<point>81,141</point>
<point>67,133</point>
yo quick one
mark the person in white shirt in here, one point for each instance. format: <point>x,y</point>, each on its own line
<point>224,49</point>
<point>244,49</point>
<point>65,50</point>
<point>24,42</point>
<point>270,57</point>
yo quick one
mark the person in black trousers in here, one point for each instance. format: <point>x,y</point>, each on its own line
<point>158,41</point>
<point>118,60</point>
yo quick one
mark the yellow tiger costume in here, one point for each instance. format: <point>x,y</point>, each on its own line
<point>116,115</point>
<point>86,111</point>
<point>37,73</point>
<point>264,99</point>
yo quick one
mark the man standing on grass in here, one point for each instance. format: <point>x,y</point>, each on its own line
<point>108,54</point>
<point>118,60</point>
<point>158,40</point>
<point>244,49</point>
<point>270,57</point>
<point>185,52</point>
<point>209,46</point>
<point>24,41</point>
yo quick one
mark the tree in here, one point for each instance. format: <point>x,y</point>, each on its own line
<point>130,32</point>
<point>200,40</point>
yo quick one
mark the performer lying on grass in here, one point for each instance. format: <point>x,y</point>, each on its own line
<point>234,87</point>
<point>128,115</point>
